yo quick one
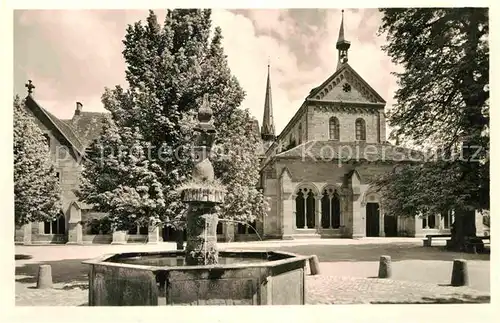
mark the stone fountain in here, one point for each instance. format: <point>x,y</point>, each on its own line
<point>202,195</point>
<point>200,275</point>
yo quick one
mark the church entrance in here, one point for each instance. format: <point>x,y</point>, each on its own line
<point>372,220</point>
<point>390,226</point>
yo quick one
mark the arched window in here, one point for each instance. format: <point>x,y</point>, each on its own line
<point>360,129</point>
<point>300,133</point>
<point>58,226</point>
<point>248,228</point>
<point>305,209</point>
<point>429,222</point>
<point>447,217</point>
<point>334,128</point>
<point>330,209</point>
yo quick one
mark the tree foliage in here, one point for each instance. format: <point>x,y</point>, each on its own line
<point>36,188</point>
<point>169,69</point>
<point>444,89</point>
<point>443,102</point>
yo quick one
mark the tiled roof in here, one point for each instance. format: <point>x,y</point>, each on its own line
<point>351,151</point>
<point>87,125</point>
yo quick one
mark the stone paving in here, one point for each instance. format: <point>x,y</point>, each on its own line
<point>69,294</point>
<point>345,267</point>
<point>320,290</point>
<point>355,290</point>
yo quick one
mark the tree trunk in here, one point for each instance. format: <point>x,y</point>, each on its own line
<point>201,229</point>
<point>463,228</point>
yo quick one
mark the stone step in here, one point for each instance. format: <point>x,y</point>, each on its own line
<point>306,236</point>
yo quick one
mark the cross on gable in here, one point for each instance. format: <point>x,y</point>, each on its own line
<point>30,87</point>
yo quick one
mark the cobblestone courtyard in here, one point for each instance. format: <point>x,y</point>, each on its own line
<point>348,267</point>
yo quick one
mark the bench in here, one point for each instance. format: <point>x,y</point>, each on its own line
<point>476,244</point>
<point>428,238</point>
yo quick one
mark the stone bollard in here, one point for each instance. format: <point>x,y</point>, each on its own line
<point>314,265</point>
<point>460,273</point>
<point>44,277</point>
<point>384,268</point>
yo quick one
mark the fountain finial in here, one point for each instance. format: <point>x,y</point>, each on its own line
<point>204,112</point>
<point>205,124</point>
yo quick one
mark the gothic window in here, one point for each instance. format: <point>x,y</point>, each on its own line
<point>299,210</point>
<point>334,128</point>
<point>248,228</point>
<point>58,226</point>
<point>305,205</point>
<point>447,219</point>
<point>330,209</point>
<point>137,229</point>
<point>360,129</point>
<point>429,222</point>
<point>310,210</point>
<point>300,133</point>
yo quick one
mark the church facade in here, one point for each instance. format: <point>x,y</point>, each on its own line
<point>316,173</point>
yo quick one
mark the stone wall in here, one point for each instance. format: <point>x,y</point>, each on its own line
<point>318,127</point>
<point>65,161</point>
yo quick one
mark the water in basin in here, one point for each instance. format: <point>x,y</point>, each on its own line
<point>173,261</point>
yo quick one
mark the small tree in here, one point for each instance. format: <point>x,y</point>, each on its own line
<point>36,187</point>
<point>116,179</point>
<point>238,169</point>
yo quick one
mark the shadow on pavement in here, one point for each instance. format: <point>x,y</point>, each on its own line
<point>452,299</point>
<point>63,271</point>
<point>22,257</point>
<point>399,252</point>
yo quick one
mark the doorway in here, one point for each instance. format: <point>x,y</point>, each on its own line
<point>372,220</point>
<point>390,226</point>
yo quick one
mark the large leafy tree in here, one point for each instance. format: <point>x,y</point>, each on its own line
<point>36,188</point>
<point>169,69</point>
<point>442,102</point>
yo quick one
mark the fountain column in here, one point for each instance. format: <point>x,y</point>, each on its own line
<point>202,195</point>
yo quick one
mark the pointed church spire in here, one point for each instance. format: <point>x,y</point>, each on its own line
<point>342,44</point>
<point>341,31</point>
<point>267,130</point>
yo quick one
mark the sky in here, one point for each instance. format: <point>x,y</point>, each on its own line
<point>72,55</point>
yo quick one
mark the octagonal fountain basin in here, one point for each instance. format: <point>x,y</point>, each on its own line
<point>162,278</point>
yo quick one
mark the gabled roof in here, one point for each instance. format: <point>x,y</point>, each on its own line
<point>324,150</point>
<point>62,128</point>
<point>336,81</point>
